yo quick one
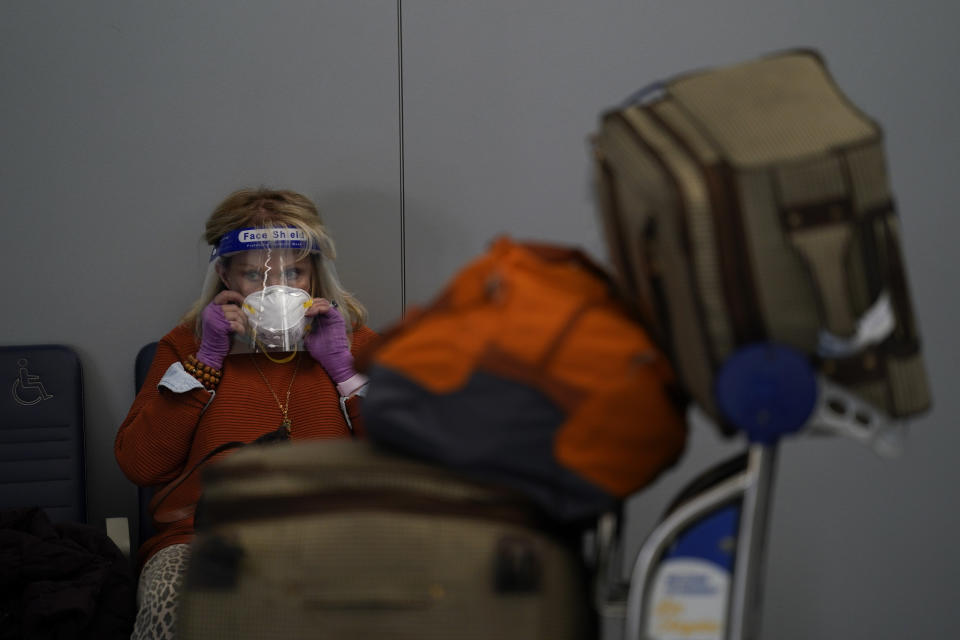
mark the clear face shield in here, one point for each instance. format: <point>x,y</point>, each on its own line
<point>273,269</point>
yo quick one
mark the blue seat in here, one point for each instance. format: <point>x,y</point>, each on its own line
<point>144,494</point>
<point>42,431</point>
<point>142,365</point>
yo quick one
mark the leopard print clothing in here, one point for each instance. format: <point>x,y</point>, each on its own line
<point>158,593</point>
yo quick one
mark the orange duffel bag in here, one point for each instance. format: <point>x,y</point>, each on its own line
<point>528,371</point>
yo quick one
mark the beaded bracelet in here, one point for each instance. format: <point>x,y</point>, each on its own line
<point>207,375</point>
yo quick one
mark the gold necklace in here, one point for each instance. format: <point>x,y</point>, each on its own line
<point>286,425</point>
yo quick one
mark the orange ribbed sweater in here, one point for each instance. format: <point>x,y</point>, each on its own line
<point>166,433</point>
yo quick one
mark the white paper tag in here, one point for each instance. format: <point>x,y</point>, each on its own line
<point>873,327</point>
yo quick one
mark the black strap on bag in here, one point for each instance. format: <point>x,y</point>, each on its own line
<point>280,434</point>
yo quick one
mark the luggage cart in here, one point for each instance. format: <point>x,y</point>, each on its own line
<point>699,573</point>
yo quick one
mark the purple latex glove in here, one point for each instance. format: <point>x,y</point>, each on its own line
<point>328,345</point>
<point>220,318</point>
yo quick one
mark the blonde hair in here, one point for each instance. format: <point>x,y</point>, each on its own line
<point>277,208</point>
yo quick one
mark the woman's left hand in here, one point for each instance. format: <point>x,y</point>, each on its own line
<point>327,341</point>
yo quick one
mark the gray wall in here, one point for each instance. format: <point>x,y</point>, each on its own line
<point>123,124</point>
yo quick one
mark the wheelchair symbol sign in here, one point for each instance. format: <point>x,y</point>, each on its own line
<point>27,389</point>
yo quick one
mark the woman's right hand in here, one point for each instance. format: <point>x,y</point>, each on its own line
<point>221,318</point>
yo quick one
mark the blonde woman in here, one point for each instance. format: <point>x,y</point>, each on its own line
<point>267,351</point>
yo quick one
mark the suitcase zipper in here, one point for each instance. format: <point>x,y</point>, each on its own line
<point>214,513</point>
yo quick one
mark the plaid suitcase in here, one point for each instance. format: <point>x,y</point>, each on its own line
<point>335,539</point>
<point>751,203</point>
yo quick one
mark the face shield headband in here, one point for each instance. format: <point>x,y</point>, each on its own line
<point>273,268</point>
<point>258,238</point>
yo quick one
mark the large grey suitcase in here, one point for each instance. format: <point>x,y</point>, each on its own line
<point>335,539</point>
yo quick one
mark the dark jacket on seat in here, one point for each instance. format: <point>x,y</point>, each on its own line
<point>63,580</point>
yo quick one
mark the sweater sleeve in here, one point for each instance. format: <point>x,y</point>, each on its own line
<point>154,440</point>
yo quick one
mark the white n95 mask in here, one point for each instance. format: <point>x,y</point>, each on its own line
<point>276,318</point>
